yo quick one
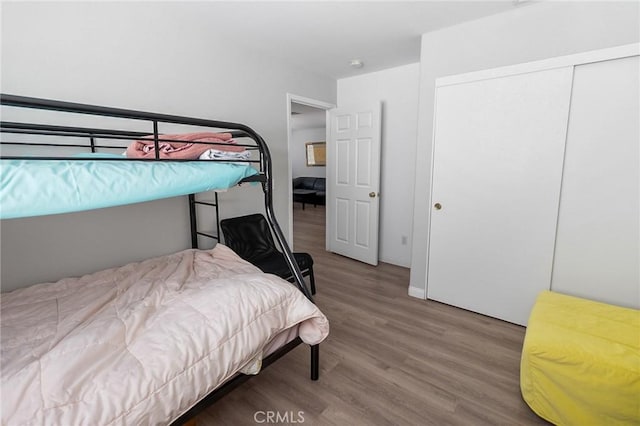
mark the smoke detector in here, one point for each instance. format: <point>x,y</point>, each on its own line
<point>356,63</point>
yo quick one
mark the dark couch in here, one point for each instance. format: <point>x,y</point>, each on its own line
<point>309,190</point>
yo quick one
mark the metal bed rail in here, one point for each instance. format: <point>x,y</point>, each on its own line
<point>237,130</point>
<point>265,178</point>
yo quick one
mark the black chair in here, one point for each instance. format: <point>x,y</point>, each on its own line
<point>250,237</point>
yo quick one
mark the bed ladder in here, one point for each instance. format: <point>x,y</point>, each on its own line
<point>193,219</point>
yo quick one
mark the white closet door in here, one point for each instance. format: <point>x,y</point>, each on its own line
<point>598,247</point>
<point>497,166</point>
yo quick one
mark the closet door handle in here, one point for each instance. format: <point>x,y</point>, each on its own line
<point>437,206</point>
<point>372,195</point>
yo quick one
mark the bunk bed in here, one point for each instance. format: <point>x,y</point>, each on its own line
<point>152,342</point>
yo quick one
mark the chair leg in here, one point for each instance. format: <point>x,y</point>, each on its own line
<point>315,362</point>
<point>312,280</point>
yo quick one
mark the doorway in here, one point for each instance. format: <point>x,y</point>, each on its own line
<point>307,130</point>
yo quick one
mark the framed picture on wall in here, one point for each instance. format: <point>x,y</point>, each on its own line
<point>316,153</point>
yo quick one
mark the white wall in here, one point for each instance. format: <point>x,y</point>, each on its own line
<point>152,56</point>
<point>397,88</point>
<point>299,137</point>
<point>538,31</point>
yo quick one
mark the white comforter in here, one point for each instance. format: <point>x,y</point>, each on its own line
<point>142,343</point>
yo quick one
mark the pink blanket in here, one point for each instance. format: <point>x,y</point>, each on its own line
<point>142,343</point>
<point>182,146</point>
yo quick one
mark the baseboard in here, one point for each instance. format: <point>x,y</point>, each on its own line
<point>419,293</point>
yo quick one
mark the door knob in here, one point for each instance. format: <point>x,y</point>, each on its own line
<point>437,206</point>
<point>372,194</point>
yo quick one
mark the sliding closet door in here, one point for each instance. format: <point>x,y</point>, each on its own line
<point>598,247</point>
<point>497,166</point>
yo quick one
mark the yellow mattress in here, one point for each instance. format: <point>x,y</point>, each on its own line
<point>581,362</point>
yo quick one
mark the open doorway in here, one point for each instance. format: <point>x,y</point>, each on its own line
<point>307,170</point>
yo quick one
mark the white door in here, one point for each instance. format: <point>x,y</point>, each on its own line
<point>497,168</point>
<point>598,243</point>
<point>353,182</point>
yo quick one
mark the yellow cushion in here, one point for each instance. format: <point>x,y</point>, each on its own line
<point>581,362</point>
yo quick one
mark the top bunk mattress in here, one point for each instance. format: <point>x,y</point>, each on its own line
<point>42,187</point>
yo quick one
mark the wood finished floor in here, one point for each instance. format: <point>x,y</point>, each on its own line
<point>390,359</point>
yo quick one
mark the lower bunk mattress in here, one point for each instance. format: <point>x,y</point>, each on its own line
<point>581,362</point>
<point>142,343</point>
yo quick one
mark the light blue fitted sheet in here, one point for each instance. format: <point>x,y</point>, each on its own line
<point>42,187</point>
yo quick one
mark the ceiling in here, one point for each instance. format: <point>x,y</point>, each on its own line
<point>306,117</point>
<point>325,36</point>
<point>298,109</point>
<point>317,36</point>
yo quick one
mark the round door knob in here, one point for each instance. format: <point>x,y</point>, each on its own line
<point>372,194</point>
<point>437,206</point>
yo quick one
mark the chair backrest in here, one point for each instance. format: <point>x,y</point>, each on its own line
<point>320,184</point>
<point>298,182</point>
<point>249,236</point>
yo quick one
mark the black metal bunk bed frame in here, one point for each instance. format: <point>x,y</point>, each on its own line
<point>264,177</point>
